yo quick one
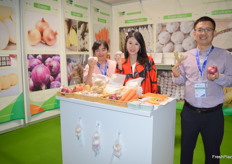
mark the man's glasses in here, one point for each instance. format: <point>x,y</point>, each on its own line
<point>207,30</point>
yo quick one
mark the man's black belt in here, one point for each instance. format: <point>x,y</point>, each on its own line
<point>203,110</point>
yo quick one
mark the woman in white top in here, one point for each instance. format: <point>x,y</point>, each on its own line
<point>102,66</point>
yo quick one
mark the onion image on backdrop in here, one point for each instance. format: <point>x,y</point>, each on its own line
<point>43,71</point>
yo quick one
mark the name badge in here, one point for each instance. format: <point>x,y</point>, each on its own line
<point>200,90</point>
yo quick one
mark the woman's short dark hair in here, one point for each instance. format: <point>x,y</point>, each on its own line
<point>142,54</point>
<point>204,19</point>
<point>98,43</point>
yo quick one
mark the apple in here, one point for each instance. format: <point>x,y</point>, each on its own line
<point>212,69</point>
<point>69,90</point>
<point>64,89</point>
<point>78,88</point>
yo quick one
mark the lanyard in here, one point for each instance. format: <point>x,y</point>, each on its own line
<point>205,61</point>
<point>103,72</point>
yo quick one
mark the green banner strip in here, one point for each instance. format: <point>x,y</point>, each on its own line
<point>81,7</point>
<point>42,6</point>
<point>51,103</point>
<point>186,15</point>
<point>136,20</point>
<point>18,109</point>
<point>101,20</point>
<point>76,14</point>
<point>220,12</point>
<point>106,14</point>
<point>13,111</point>
<point>134,13</point>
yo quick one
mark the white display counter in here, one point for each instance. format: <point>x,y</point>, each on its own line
<point>145,137</point>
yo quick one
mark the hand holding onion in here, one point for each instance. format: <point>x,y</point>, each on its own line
<point>212,72</point>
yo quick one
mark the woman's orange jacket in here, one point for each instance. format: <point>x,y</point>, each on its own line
<point>147,71</point>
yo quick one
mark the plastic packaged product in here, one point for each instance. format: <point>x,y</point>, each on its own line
<point>146,106</point>
<point>134,104</point>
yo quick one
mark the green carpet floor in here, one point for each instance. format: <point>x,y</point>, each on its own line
<point>40,143</point>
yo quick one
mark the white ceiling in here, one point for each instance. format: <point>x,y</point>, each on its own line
<point>117,2</point>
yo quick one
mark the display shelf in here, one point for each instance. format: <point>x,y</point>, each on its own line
<point>164,67</point>
<point>145,136</point>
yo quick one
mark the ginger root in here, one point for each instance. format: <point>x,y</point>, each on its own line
<point>179,58</point>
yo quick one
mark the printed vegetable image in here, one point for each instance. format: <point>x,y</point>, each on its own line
<point>8,80</point>
<point>145,30</point>
<point>34,37</point>
<point>7,28</point>
<point>175,36</point>
<point>41,25</point>
<point>83,36</point>
<point>75,68</point>
<point>4,39</point>
<point>103,34</point>
<point>42,33</point>
<point>44,72</point>
<point>71,34</point>
<point>223,34</point>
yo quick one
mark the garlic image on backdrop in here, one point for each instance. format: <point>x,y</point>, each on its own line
<point>174,36</point>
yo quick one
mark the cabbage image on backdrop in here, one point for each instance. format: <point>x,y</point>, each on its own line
<point>43,71</point>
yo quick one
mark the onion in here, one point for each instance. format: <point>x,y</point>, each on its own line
<point>34,37</point>
<point>47,61</point>
<point>51,78</point>
<point>40,76</point>
<point>49,36</point>
<point>54,67</point>
<point>39,57</point>
<point>30,56</point>
<point>32,63</point>
<point>4,36</point>
<point>55,84</point>
<point>44,57</point>
<point>58,78</point>
<point>56,57</point>
<point>41,25</point>
<point>31,85</point>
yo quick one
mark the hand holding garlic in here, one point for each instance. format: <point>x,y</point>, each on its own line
<point>176,69</point>
<point>117,57</point>
<point>92,61</point>
<point>178,58</point>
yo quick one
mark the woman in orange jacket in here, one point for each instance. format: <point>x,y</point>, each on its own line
<point>137,63</point>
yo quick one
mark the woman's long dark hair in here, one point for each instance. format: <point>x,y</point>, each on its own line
<point>142,53</point>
